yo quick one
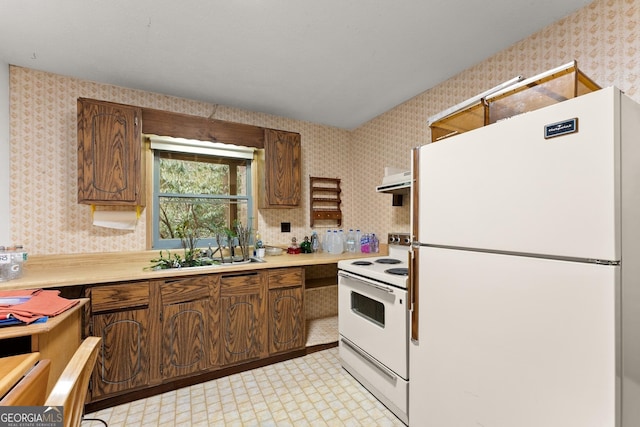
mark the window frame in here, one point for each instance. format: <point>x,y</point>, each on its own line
<point>234,154</point>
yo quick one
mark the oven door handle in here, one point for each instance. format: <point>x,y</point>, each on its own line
<point>388,372</point>
<point>366,282</point>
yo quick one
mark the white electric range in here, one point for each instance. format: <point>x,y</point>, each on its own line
<point>373,321</point>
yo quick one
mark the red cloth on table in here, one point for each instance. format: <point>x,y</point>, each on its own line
<point>18,293</point>
<point>42,303</point>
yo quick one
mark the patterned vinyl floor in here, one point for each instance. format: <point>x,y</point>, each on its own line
<point>312,390</point>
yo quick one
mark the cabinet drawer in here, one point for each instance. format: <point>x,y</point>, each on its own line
<point>328,214</point>
<point>116,297</point>
<point>285,277</point>
<point>185,289</point>
<point>242,283</point>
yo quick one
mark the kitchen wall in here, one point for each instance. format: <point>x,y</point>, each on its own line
<point>46,217</point>
<point>602,37</point>
<point>5,228</point>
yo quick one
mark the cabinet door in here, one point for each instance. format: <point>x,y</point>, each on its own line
<point>184,334</point>
<point>243,324</point>
<point>286,319</point>
<point>109,153</point>
<point>123,359</point>
<point>286,309</point>
<point>282,174</point>
<point>186,326</point>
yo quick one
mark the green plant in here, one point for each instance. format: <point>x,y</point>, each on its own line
<point>189,238</point>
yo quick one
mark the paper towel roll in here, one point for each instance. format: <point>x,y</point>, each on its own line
<point>120,220</point>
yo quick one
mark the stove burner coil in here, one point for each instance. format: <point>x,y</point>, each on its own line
<point>361,263</point>
<point>388,261</point>
<point>398,271</point>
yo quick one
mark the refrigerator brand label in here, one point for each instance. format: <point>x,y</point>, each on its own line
<point>561,128</point>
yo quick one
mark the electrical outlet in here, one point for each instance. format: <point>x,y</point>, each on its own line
<point>285,227</point>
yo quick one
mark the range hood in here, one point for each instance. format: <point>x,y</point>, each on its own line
<point>395,181</point>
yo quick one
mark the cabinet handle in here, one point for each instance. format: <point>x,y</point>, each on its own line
<point>255,273</point>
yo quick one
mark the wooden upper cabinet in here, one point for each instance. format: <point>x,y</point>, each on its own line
<point>109,153</point>
<point>280,181</point>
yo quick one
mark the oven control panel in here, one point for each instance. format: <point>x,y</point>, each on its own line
<point>402,239</point>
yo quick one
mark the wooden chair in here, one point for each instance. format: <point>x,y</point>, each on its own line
<point>70,390</point>
<point>31,390</point>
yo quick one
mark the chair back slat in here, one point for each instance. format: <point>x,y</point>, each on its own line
<point>31,390</point>
<point>70,391</point>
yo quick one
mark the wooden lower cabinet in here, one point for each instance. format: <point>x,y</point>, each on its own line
<point>188,317</point>
<point>286,310</point>
<point>120,316</point>
<point>243,329</point>
<point>157,331</point>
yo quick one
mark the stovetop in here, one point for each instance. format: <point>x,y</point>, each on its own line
<point>391,269</point>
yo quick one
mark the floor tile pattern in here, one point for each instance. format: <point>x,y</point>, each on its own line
<point>307,391</point>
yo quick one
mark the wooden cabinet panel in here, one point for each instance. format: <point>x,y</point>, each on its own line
<point>187,289</point>
<point>285,277</point>
<point>123,359</point>
<point>280,170</point>
<point>184,338</point>
<point>286,309</point>
<point>286,319</point>
<point>243,324</point>
<point>109,153</point>
<point>187,319</point>
<point>121,296</point>
<point>154,332</point>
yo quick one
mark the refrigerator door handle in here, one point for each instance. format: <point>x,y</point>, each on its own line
<point>412,289</point>
<point>415,194</point>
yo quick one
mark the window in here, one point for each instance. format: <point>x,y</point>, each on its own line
<point>205,190</point>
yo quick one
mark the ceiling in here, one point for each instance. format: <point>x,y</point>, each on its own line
<point>334,62</point>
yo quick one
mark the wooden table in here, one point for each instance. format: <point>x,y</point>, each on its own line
<point>56,339</point>
<point>13,368</point>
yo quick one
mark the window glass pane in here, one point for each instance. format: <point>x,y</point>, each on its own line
<point>206,193</point>
<point>197,174</point>
<point>205,216</point>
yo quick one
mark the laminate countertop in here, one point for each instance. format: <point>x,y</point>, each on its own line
<point>54,271</point>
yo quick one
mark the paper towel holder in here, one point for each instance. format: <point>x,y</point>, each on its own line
<point>138,211</point>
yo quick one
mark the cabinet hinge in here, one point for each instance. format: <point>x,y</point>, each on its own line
<point>161,370</point>
<point>135,121</point>
<point>161,316</point>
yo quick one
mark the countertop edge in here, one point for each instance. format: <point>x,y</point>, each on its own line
<point>55,271</point>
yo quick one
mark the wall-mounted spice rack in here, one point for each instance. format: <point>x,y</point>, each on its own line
<point>324,203</point>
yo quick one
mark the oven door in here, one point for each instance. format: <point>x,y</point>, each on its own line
<point>374,317</point>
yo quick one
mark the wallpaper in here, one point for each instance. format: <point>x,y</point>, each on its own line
<point>46,218</point>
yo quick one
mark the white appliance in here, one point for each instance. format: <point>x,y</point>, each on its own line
<point>373,322</point>
<point>395,181</point>
<point>525,271</point>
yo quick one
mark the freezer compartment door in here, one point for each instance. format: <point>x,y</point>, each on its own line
<point>505,187</point>
<point>512,341</point>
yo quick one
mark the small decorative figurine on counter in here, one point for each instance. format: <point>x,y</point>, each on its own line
<point>305,247</point>
<point>294,248</point>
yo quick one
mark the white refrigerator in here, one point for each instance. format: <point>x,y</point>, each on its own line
<point>525,271</point>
